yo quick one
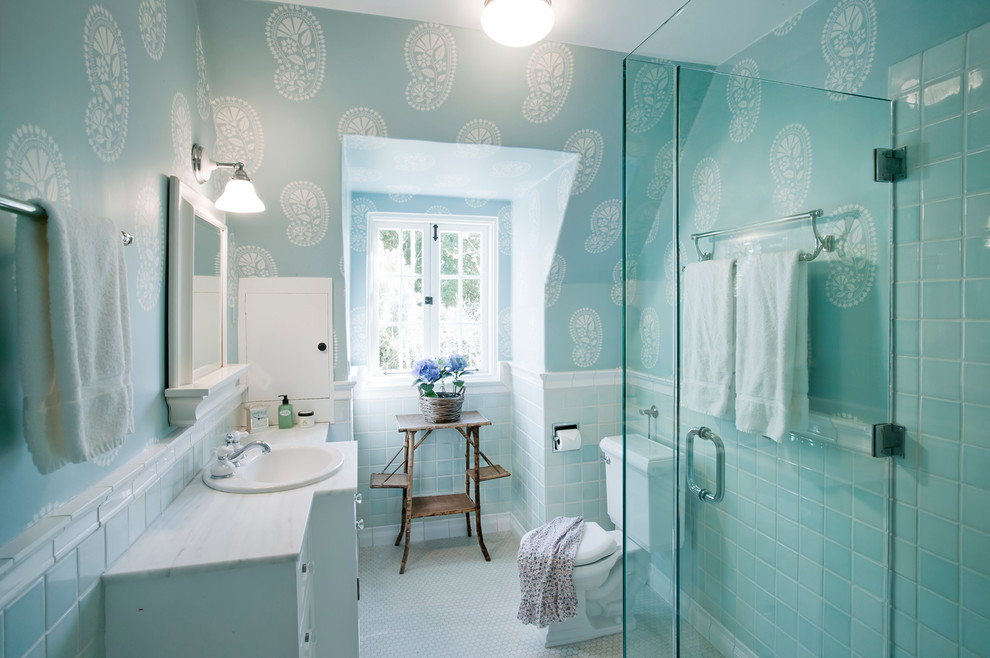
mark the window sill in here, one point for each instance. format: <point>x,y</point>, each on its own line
<point>367,388</point>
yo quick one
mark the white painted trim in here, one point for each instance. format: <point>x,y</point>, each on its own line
<point>661,385</point>
<point>569,379</point>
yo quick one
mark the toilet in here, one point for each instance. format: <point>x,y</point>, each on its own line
<point>597,574</point>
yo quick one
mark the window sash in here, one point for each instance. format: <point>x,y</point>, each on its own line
<point>465,273</point>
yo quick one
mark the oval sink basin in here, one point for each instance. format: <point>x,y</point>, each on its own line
<point>285,467</point>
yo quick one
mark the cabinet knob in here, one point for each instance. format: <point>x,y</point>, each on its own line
<point>306,567</point>
<point>360,524</point>
<point>322,347</point>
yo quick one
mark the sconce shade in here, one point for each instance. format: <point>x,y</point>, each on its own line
<point>517,23</point>
<point>239,195</point>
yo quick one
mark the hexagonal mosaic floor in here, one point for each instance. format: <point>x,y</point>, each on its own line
<point>451,603</point>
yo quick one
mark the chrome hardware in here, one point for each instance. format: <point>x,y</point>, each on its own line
<point>359,524</point>
<point>889,165</point>
<point>822,242</point>
<point>306,567</point>
<point>265,448</point>
<point>652,411</point>
<point>606,459</point>
<point>357,499</point>
<point>888,440</point>
<point>704,494</point>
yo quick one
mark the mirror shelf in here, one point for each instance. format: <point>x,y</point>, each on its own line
<point>190,402</point>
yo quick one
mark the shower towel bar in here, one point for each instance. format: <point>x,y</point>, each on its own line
<point>31,210</point>
<point>826,242</point>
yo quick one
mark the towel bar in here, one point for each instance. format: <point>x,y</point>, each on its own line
<point>17,207</point>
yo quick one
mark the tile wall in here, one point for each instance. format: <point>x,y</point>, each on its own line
<point>942,350</point>
<point>51,596</point>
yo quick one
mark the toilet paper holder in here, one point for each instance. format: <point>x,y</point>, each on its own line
<point>558,427</point>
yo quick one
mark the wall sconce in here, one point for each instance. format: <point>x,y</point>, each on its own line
<point>239,195</point>
<point>517,23</point>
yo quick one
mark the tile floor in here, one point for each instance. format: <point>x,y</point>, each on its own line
<point>451,603</point>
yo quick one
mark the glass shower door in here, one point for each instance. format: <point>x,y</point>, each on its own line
<point>776,547</point>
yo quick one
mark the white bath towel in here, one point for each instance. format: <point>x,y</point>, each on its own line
<point>709,341</point>
<point>772,344</point>
<point>75,337</point>
<point>546,562</point>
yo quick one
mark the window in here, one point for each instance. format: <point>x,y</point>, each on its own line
<point>431,287</point>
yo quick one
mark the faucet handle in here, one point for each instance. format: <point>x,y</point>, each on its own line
<point>234,437</point>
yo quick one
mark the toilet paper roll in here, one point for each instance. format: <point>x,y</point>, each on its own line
<point>568,440</point>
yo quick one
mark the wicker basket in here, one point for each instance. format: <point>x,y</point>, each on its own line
<point>444,409</point>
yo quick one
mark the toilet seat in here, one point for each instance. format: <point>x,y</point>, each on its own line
<point>596,544</point>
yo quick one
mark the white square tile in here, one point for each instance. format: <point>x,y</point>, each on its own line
<point>136,514</point>
<point>60,589</point>
<point>91,615</point>
<point>118,536</point>
<point>92,559</point>
<point>24,621</point>
<point>62,640</point>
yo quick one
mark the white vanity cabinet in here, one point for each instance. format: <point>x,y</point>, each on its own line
<point>247,575</point>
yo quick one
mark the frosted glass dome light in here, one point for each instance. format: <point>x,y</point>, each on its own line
<point>240,196</point>
<point>517,23</point>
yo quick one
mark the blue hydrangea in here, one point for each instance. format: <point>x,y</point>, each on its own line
<point>457,363</point>
<point>427,370</point>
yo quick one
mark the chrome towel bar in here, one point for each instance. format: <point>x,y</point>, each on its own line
<point>31,210</point>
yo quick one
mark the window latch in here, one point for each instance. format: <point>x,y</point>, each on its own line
<point>427,300</point>
<point>435,227</point>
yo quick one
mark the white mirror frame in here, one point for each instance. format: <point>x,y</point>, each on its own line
<point>192,394</point>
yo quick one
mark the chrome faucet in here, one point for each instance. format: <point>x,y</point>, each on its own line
<point>652,411</point>
<point>234,456</point>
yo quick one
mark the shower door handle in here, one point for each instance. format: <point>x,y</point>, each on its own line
<point>704,494</point>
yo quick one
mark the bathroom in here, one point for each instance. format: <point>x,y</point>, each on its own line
<point>196,69</point>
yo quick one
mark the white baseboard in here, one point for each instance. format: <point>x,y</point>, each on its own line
<point>699,618</point>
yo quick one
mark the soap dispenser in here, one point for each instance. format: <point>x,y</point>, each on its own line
<point>285,414</point>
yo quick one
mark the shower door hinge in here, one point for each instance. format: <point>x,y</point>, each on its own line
<point>889,165</point>
<point>888,440</point>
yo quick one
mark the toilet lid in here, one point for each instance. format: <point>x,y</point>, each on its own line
<point>595,544</point>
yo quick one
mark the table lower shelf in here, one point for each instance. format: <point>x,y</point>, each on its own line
<point>458,503</point>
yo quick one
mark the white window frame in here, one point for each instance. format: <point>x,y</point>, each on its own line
<point>488,226</point>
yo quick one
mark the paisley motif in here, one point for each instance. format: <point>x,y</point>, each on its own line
<point>743,92</point>
<point>296,40</point>
<point>606,226</point>
<point>202,86</point>
<point>181,132</point>
<point>853,263</point>
<point>790,167</point>
<point>590,146</point>
<point>706,186</point>
<point>663,171</point>
<point>34,166</point>
<point>555,280</point>
<point>475,135</point>
<point>510,169</point>
<point>360,207</point>
<point>149,234</point>
<point>152,24</point>
<point>651,94</point>
<point>549,74</point>
<point>475,201</point>
<point>362,121</point>
<point>359,333</point>
<point>252,260</point>
<point>564,186</point>
<point>431,57</point>
<point>849,41</point>
<point>586,332</point>
<point>788,25</point>
<point>239,135</point>
<point>106,68</point>
<point>402,193</point>
<point>505,231</point>
<point>438,210</point>
<point>649,337</point>
<point>305,205</point>
<point>669,272</point>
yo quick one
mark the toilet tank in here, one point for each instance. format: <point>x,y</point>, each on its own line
<point>650,468</point>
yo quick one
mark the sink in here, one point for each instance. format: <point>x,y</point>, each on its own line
<point>285,467</point>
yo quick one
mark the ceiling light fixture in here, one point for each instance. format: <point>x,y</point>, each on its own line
<point>517,23</point>
<point>239,195</point>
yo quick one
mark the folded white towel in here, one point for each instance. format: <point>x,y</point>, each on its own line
<point>708,337</point>
<point>75,337</point>
<point>772,344</point>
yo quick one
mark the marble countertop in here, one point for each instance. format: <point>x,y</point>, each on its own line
<point>204,528</point>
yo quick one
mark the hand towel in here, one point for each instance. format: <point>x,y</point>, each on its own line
<point>75,337</point>
<point>772,344</point>
<point>546,562</point>
<point>708,338</point>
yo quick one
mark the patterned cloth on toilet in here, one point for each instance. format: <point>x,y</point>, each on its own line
<point>546,561</point>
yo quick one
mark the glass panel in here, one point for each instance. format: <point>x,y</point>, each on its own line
<point>471,300</point>
<point>472,254</point>
<point>449,301</point>
<point>400,297</point>
<point>449,253</point>
<point>794,549</point>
